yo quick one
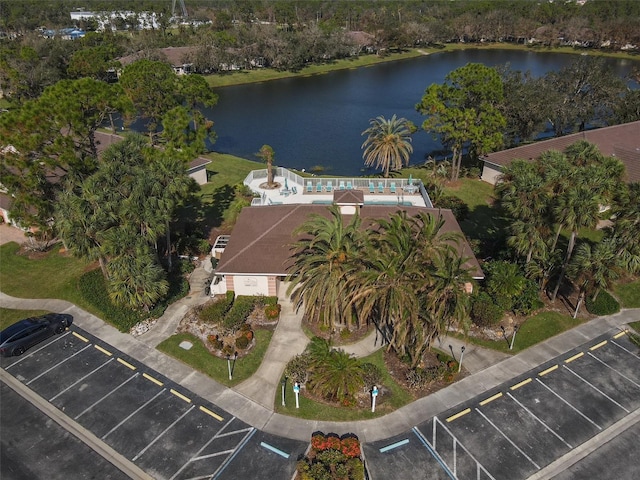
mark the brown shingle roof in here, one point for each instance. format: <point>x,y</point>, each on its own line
<point>262,237</point>
<point>621,141</point>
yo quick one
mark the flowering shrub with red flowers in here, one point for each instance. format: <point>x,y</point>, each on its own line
<point>332,458</point>
<point>351,447</point>
<point>272,311</point>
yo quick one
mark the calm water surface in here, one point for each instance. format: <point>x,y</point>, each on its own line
<point>318,120</point>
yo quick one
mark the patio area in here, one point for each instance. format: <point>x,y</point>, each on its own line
<point>295,189</point>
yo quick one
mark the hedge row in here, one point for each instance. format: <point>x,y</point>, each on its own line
<point>604,304</point>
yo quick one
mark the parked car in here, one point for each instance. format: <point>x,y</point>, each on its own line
<point>17,338</point>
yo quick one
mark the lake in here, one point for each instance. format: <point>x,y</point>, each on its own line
<point>318,120</point>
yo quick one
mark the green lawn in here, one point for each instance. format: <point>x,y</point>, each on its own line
<point>53,275</point>
<point>267,74</point>
<point>199,358</point>
<point>9,316</point>
<point>534,330</point>
<point>311,409</point>
<point>628,294</point>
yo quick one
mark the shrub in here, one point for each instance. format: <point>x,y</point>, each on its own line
<point>296,369</point>
<point>528,300</point>
<point>351,447</point>
<point>214,312</point>
<point>94,289</point>
<point>372,375</point>
<point>484,312</point>
<point>238,313</point>
<point>242,342</point>
<point>215,342</point>
<point>272,311</point>
<point>604,304</point>
<point>204,246</point>
<point>457,206</point>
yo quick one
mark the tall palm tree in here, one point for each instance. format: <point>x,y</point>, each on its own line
<point>626,228</point>
<point>324,260</point>
<point>577,209</point>
<point>388,144</point>
<point>267,154</point>
<point>593,268</point>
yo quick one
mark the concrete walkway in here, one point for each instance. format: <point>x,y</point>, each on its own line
<point>252,400</point>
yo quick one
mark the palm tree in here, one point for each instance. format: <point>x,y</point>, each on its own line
<point>267,154</point>
<point>388,144</point>
<point>395,290</point>
<point>626,228</point>
<point>578,208</point>
<point>338,376</point>
<point>324,260</point>
<point>593,268</point>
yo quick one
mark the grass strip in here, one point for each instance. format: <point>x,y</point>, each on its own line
<point>199,358</point>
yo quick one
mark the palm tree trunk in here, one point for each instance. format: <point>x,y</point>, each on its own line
<point>575,314</point>
<point>169,261</point>
<point>572,240</point>
<point>103,267</point>
<point>555,240</point>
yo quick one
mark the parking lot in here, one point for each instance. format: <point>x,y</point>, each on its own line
<point>515,430</point>
<point>167,431</point>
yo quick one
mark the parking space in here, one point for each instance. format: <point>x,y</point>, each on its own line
<point>515,430</point>
<point>168,432</point>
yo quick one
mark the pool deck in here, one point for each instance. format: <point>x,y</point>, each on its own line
<point>406,192</point>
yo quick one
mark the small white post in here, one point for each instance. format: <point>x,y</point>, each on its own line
<point>513,339</point>
<point>374,394</point>
<point>284,382</point>
<point>296,390</point>
<point>461,357</point>
<point>229,366</point>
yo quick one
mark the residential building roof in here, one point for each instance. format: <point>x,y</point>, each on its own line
<point>261,241</point>
<point>620,141</point>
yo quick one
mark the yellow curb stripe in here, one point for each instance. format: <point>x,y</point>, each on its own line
<point>81,337</point>
<point>618,335</point>
<point>151,379</point>
<point>571,359</point>
<point>491,399</point>
<point>595,347</point>
<point>518,385</point>
<point>214,415</point>
<point>106,352</point>
<point>548,370</point>
<point>458,415</point>
<point>179,395</point>
<point>126,364</point>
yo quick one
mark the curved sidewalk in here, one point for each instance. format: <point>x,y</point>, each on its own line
<point>252,400</point>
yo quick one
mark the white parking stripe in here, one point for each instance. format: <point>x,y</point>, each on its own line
<point>232,456</point>
<point>161,434</point>
<point>508,439</point>
<point>218,434</point>
<point>570,406</point>
<point>609,366</point>
<point>597,389</point>
<point>626,350</point>
<point>57,365</point>
<point>32,353</point>
<point>539,420</point>
<point>211,455</point>
<point>111,392</point>
<point>80,380</point>
<point>133,413</point>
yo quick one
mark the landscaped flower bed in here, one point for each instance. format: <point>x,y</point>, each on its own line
<point>332,457</point>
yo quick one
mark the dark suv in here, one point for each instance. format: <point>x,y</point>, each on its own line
<point>17,338</point>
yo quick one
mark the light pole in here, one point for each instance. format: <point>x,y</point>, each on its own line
<point>284,382</point>
<point>374,394</point>
<point>296,390</point>
<point>461,357</point>
<point>235,357</point>
<point>513,338</point>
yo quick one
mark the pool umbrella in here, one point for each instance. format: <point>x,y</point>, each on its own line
<point>410,180</point>
<point>286,185</point>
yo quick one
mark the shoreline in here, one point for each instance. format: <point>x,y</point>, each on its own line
<point>246,77</point>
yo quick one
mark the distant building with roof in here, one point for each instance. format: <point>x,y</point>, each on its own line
<point>619,141</point>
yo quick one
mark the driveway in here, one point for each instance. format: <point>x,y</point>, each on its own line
<point>11,234</point>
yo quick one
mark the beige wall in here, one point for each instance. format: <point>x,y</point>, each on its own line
<point>200,176</point>
<point>490,173</point>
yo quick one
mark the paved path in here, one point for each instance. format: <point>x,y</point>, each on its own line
<point>252,400</point>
